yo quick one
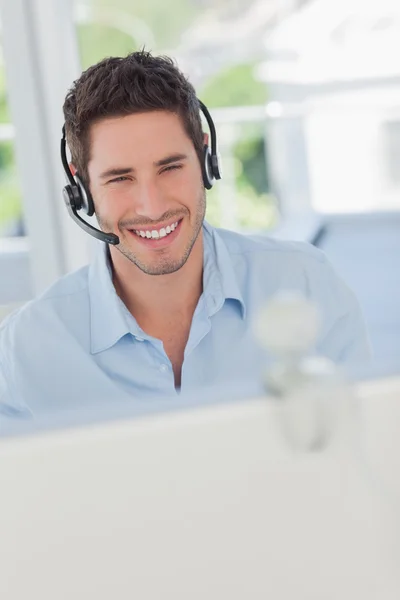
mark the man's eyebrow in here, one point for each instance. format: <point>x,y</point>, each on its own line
<point>116,172</point>
<point>170,159</point>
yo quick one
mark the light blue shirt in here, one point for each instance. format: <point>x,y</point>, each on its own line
<point>78,345</point>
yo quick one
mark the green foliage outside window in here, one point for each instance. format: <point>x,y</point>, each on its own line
<point>10,196</point>
<point>93,37</point>
<point>256,207</point>
<point>235,86</point>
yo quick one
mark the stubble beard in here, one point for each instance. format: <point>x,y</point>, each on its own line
<point>164,264</point>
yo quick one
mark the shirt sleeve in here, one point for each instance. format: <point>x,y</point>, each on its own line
<point>347,341</point>
<point>344,336</point>
<point>4,377</point>
<point>3,383</point>
<point>7,408</point>
<point>10,406</point>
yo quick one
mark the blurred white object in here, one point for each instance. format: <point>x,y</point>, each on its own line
<point>288,325</point>
<point>308,386</point>
<point>208,503</point>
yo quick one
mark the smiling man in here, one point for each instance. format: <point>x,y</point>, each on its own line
<point>146,177</point>
<point>169,302</point>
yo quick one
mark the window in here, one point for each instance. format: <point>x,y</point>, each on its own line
<point>11,222</point>
<point>203,38</point>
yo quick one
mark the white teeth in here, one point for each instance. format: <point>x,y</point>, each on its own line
<point>154,234</point>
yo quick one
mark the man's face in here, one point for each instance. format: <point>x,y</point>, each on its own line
<point>146,182</point>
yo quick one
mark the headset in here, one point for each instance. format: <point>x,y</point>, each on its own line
<point>78,198</point>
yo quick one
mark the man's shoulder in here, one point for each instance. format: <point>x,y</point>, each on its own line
<point>260,248</point>
<point>72,283</point>
<point>266,266</point>
<point>65,296</point>
<point>40,341</point>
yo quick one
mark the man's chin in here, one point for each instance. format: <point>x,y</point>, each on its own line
<point>157,271</point>
<point>165,266</point>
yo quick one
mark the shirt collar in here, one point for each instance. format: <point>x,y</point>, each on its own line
<point>111,320</point>
<point>220,280</point>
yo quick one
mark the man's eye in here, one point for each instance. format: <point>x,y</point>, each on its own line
<point>118,179</point>
<point>171,168</point>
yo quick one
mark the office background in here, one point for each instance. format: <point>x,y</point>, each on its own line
<point>305,95</point>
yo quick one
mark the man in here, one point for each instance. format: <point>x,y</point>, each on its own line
<point>170,303</point>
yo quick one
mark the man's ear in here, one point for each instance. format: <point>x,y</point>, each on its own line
<point>205,138</point>
<point>72,168</point>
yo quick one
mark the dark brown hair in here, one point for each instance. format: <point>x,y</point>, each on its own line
<point>118,86</point>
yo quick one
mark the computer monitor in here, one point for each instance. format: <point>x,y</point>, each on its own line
<point>208,503</point>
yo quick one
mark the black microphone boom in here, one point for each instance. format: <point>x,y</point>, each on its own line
<point>108,238</point>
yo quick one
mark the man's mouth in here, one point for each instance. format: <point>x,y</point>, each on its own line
<point>155,234</point>
<point>158,236</point>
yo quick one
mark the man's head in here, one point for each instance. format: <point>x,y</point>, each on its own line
<point>134,131</point>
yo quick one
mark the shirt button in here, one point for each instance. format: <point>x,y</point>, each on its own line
<point>139,339</point>
<point>164,368</point>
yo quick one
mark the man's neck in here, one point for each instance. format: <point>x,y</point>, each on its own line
<point>151,296</point>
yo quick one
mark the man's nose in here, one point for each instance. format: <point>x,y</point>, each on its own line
<point>149,201</point>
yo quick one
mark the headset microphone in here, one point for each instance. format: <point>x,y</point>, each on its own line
<point>78,198</point>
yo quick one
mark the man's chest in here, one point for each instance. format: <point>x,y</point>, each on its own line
<point>216,351</point>
<point>212,350</point>
<point>174,344</point>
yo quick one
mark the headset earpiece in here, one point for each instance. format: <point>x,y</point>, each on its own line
<point>216,166</point>
<point>208,177</point>
<point>86,203</point>
<point>72,197</point>
<point>211,164</point>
